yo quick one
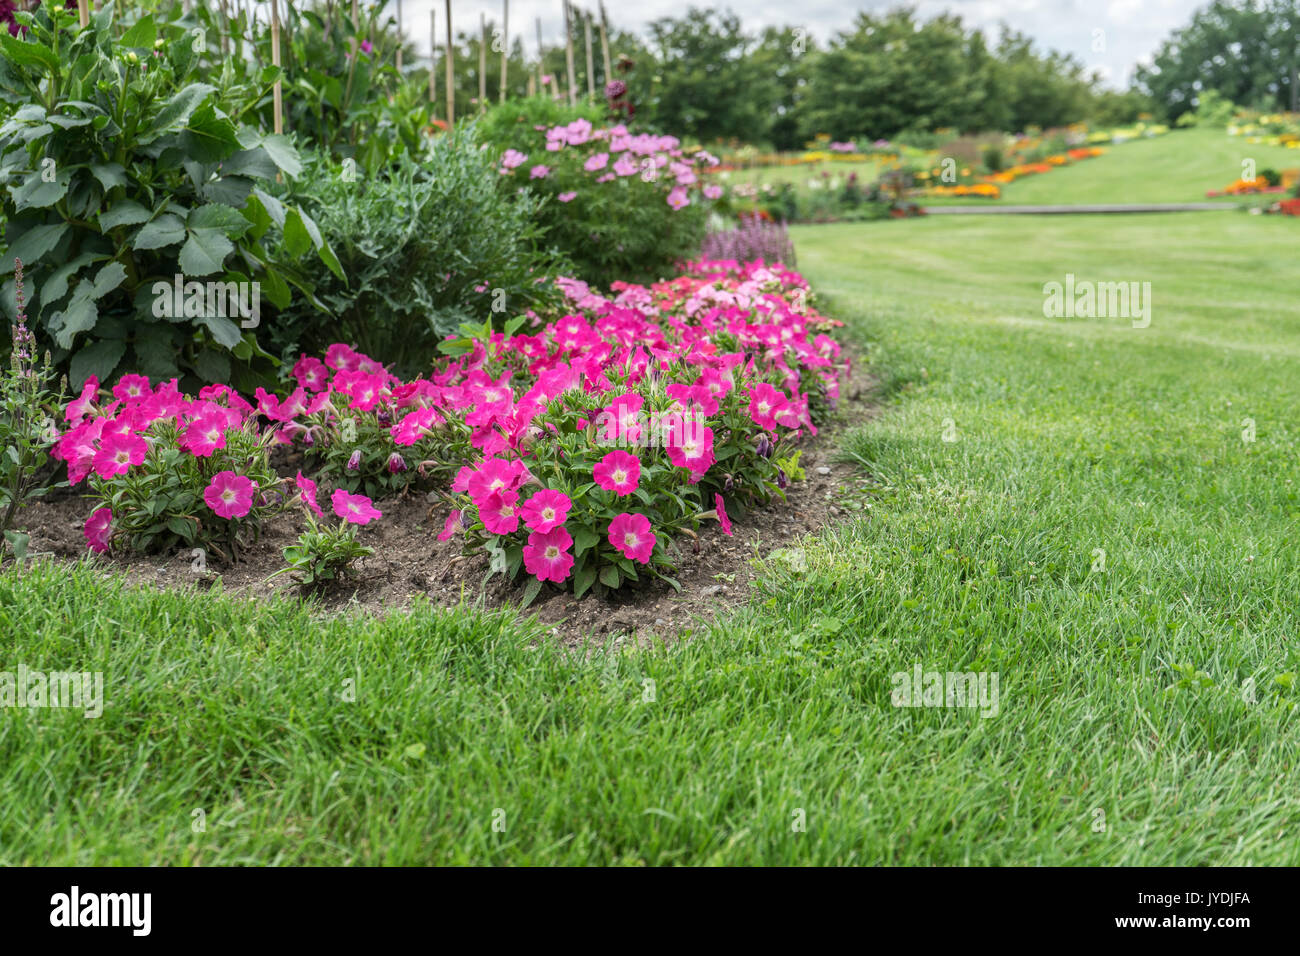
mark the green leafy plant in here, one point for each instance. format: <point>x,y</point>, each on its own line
<point>125,175</point>
<point>324,552</point>
<point>429,245</point>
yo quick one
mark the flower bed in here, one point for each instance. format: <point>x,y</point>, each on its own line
<point>579,451</point>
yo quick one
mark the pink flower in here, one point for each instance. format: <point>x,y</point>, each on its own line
<point>539,172</point>
<point>96,529</point>
<point>307,494</point>
<point>118,453</point>
<point>677,198</point>
<point>596,161</point>
<point>452,526</point>
<point>692,449</point>
<point>498,513</point>
<point>204,435</point>
<point>546,510</point>
<point>341,357</point>
<point>354,509</point>
<point>720,507</point>
<point>619,472</point>
<point>131,388</point>
<point>230,495</point>
<point>631,534</point>
<point>567,197</point>
<point>625,165</point>
<point>512,158</point>
<point>546,555</point>
<point>311,373</point>
<point>712,192</point>
<point>496,474</point>
<point>80,407</point>
<point>764,403</point>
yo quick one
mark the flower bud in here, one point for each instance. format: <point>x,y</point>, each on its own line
<point>396,463</point>
<point>354,462</point>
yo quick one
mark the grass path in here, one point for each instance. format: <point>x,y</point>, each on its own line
<point>1126,730</point>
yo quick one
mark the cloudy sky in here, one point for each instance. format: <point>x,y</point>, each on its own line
<point>1111,36</point>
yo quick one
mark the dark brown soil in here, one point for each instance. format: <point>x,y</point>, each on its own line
<point>409,561</point>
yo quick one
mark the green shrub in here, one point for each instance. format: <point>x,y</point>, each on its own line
<point>436,241</point>
<point>613,222</point>
<point>122,176</point>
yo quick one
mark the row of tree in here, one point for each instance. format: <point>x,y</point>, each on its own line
<point>703,75</point>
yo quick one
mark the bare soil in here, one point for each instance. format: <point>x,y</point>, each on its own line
<point>409,562</point>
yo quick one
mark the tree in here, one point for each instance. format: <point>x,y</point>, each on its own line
<point>1246,51</point>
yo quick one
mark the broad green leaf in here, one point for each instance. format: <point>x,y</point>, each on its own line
<point>204,252</point>
<point>141,36</point>
<point>223,330</point>
<point>56,286</point>
<point>108,279</point>
<point>128,212</point>
<point>80,315</point>
<point>609,576</point>
<point>583,580</point>
<point>32,245</point>
<point>283,154</point>
<point>209,137</point>
<point>212,366</point>
<point>36,193</point>
<point>229,221</point>
<point>22,53</point>
<point>166,230</point>
<point>97,358</point>
<point>177,110</point>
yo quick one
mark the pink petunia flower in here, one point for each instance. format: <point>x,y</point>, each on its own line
<point>96,529</point>
<point>354,509</point>
<point>764,403</point>
<point>692,449</point>
<point>230,495</point>
<point>619,472</point>
<point>131,388</point>
<point>307,494</point>
<point>567,197</point>
<point>539,172</point>
<point>452,526</point>
<point>118,453</point>
<point>498,511</point>
<point>545,510</point>
<point>511,159</point>
<point>547,556</point>
<point>631,534</point>
<point>720,507</point>
<point>204,435</point>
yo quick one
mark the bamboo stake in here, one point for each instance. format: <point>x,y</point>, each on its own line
<point>505,46</point>
<point>591,70</point>
<point>225,28</point>
<point>541,54</point>
<point>277,93</point>
<point>568,56</point>
<point>356,20</point>
<point>482,60</point>
<point>604,42</point>
<point>400,36</point>
<point>532,85</point>
<point>433,55</point>
<point>83,14</point>
<point>451,76</point>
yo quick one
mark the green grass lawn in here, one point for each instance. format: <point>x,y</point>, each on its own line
<point>1155,696</point>
<point>1180,166</point>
